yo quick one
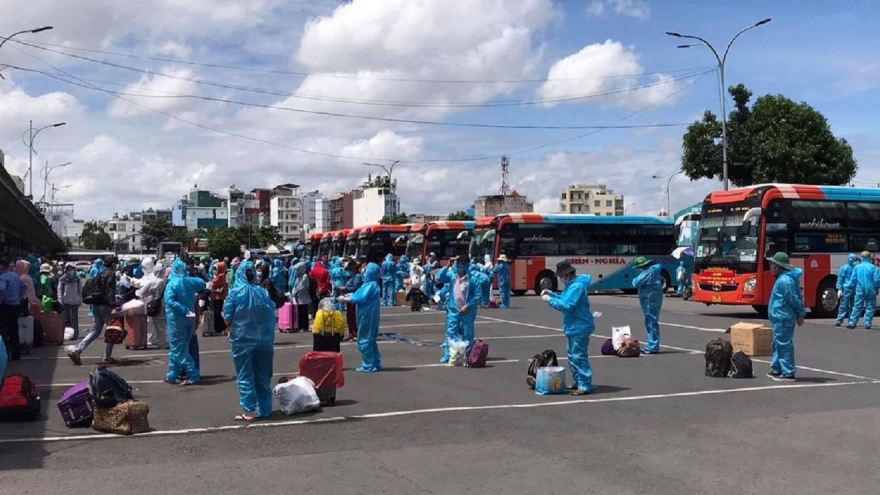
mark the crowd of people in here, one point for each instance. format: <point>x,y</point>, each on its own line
<point>246,295</point>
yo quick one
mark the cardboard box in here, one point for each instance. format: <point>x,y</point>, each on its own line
<point>752,338</point>
<point>400,298</point>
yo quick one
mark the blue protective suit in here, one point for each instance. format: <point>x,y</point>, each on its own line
<point>402,273</point>
<point>338,278</point>
<point>484,283</point>
<point>502,270</point>
<point>3,359</point>
<point>866,282</point>
<point>389,275</point>
<point>35,266</point>
<point>460,325</point>
<point>251,316</point>
<point>846,288</point>
<point>650,286</point>
<point>279,276</point>
<point>366,301</point>
<point>180,299</point>
<point>427,283</point>
<point>786,306</point>
<point>680,278</point>
<point>577,325</point>
<point>97,268</point>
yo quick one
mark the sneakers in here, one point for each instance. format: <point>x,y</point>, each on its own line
<point>851,327</point>
<point>784,378</point>
<point>74,356</point>
<point>837,323</point>
<point>650,352</point>
<point>773,374</point>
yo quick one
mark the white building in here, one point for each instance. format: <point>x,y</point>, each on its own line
<point>309,212</point>
<point>286,212</point>
<point>595,199</point>
<point>202,217</point>
<point>379,200</point>
<point>322,215</point>
<point>125,232</point>
<point>63,223</point>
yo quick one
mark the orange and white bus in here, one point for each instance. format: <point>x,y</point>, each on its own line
<point>444,239</point>
<point>817,226</point>
<point>376,241</point>
<point>603,246</point>
<point>311,247</point>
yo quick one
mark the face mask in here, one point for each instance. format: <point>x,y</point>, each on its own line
<point>70,271</point>
<point>563,281</point>
<point>460,269</point>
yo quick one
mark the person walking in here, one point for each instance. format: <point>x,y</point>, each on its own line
<point>845,288</point>
<point>389,275</point>
<point>250,314</point>
<point>179,302</point>
<point>502,270</point>
<point>785,310</point>
<point>865,283</point>
<point>300,294</point>
<point>367,304</point>
<point>103,310</point>
<point>219,290</point>
<point>577,324</point>
<point>11,294</point>
<point>70,297</point>
<point>463,286</point>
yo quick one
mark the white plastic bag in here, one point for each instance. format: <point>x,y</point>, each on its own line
<point>618,334</point>
<point>68,333</point>
<point>297,396</point>
<point>457,352</point>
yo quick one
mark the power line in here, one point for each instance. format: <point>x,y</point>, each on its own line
<point>369,102</point>
<point>373,117</point>
<point>345,76</point>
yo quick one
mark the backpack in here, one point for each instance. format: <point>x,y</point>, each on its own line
<point>91,292</point>
<point>718,355</point>
<point>546,358</point>
<point>740,366</point>
<point>108,388</point>
<point>479,355</point>
<point>630,348</point>
<point>154,308</point>
<point>18,399</point>
<point>608,348</point>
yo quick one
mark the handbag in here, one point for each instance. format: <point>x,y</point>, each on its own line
<point>115,332</point>
<point>126,418</point>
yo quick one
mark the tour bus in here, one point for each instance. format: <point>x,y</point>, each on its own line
<point>312,243</point>
<point>325,245</point>
<point>602,246</point>
<point>337,246</point>
<point>445,239</point>
<point>376,241</point>
<point>817,226</point>
<point>351,244</point>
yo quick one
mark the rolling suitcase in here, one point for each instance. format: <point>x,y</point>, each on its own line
<point>26,333</point>
<point>53,328</point>
<point>136,332</point>
<point>77,406</point>
<point>207,323</point>
<point>325,369</point>
<point>287,318</point>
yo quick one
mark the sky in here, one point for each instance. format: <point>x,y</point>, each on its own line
<point>161,95</point>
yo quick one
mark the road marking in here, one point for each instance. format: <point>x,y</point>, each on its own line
<point>690,327</point>
<point>415,412</point>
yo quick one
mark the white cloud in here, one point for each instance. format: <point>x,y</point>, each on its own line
<point>610,69</point>
<point>636,9</point>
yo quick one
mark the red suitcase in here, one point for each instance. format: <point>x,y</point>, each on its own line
<point>136,332</point>
<point>326,370</point>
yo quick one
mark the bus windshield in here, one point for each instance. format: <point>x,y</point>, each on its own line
<point>722,238</point>
<point>415,247</point>
<point>482,243</point>
<point>351,247</point>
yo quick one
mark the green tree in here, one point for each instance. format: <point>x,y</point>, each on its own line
<point>776,140</point>
<point>268,236</point>
<point>459,215</point>
<point>94,237</point>
<point>225,243</point>
<point>157,230</point>
<point>399,219</point>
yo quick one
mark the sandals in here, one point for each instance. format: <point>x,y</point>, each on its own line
<point>246,418</point>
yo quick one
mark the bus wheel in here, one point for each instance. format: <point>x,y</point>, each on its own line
<point>666,283</point>
<point>826,300</point>
<point>519,292</point>
<point>545,281</point>
<point>762,310</point>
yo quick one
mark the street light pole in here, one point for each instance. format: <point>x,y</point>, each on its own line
<point>47,170</point>
<point>626,207</point>
<point>388,170</point>
<point>668,184</point>
<point>30,144</point>
<point>722,60</point>
<point>13,35</point>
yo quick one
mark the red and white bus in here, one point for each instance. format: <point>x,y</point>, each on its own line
<point>444,239</point>
<point>312,244</point>
<point>817,226</point>
<point>376,241</point>
<point>603,246</point>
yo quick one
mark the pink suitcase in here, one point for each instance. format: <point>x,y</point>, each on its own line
<point>287,317</point>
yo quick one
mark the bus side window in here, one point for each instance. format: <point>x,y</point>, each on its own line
<point>774,245</point>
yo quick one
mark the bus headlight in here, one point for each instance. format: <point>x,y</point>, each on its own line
<point>750,285</point>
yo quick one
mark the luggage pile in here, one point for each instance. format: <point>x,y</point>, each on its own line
<point>105,403</point>
<point>722,362</point>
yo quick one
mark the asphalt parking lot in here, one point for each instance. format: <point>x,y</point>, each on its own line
<point>656,424</point>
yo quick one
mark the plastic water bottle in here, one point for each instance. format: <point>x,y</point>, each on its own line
<point>597,314</point>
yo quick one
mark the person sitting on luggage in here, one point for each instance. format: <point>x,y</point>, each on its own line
<point>328,327</point>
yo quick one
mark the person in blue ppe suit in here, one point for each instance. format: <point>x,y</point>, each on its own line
<point>463,285</point>
<point>577,324</point>
<point>366,303</point>
<point>3,358</point>
<point>484,283</point>
<point>338,278</point>
<point>389,277</point>
<point>180,300</point>
<point>250,314</point>
<point>502,270</point>
<point>428,283</point>
<point>402,273</point>
<point>785,310</point>
<point>845,289</point>
<point>279,275</point>
<point>35,266</point>
<point>650,286</point>
<point>680,278</point>
<point>96,269</point>
<point>866,282</point>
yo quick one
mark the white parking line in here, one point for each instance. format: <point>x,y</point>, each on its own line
<point>439,410</point>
